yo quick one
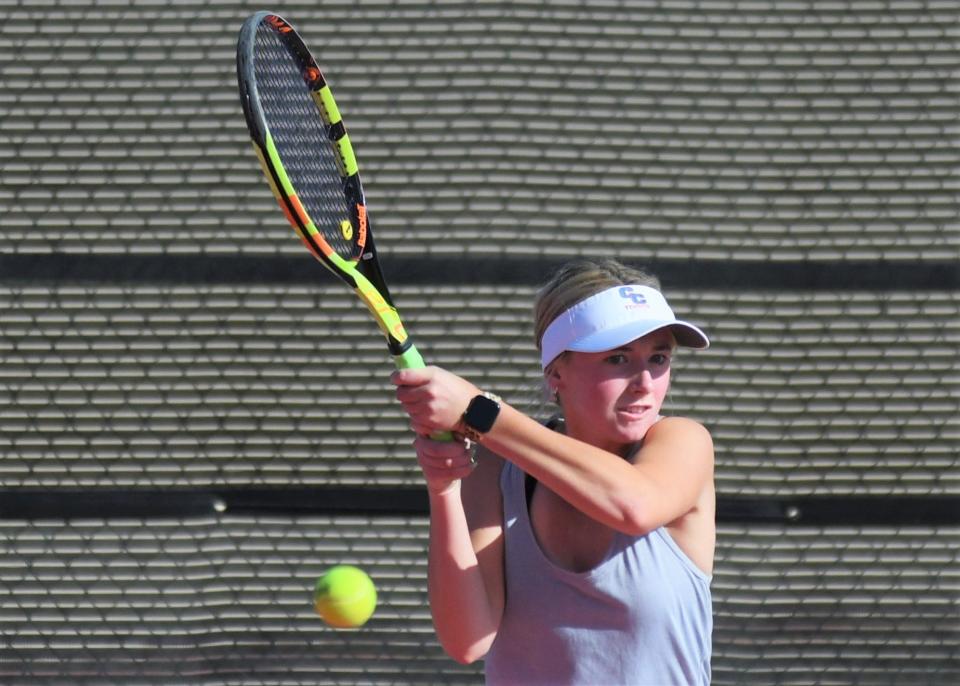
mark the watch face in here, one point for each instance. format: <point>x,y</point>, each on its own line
<point>481,413</point>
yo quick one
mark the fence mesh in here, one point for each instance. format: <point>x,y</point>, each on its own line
<point>815,140</point>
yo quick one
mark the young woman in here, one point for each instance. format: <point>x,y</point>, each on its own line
<point>580,551</point>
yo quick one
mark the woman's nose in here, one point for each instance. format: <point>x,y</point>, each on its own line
<point>644,381</point>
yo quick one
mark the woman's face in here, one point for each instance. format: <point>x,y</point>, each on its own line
<point>610,399</point>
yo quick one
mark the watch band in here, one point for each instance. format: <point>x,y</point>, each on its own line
<point>471,434</point>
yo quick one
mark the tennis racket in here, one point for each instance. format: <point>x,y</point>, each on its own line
<point>306,155</point>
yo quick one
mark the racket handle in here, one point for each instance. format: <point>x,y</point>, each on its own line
<point>411,359</point>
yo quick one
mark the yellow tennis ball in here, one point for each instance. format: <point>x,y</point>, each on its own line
<point>345,597</point>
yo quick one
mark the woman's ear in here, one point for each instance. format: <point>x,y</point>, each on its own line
<point>552,377</point>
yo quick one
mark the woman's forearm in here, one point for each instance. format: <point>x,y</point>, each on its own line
<point>600,484</point>
<point>604,486</point>
<point>459,602</point>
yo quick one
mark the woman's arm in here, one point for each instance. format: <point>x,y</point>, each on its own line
<point>465,563</point>
<point>662,482</point>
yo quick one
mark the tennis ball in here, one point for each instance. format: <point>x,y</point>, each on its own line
<point>345,597</point>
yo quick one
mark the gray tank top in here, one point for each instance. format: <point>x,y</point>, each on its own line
<point>642,617</point>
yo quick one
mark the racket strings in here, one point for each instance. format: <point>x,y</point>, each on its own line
<point>302,142</point>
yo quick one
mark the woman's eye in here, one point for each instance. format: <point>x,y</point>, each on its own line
<point>617,359</point>
<point>659,359</point>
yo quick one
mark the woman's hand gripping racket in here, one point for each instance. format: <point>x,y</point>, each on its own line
<point>306,155</point>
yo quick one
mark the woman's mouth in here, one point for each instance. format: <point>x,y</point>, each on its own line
<point>635,410</point>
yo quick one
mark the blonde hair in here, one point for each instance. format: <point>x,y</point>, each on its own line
<point>578,280</point>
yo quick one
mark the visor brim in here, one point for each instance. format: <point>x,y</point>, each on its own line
<point>686,334</point>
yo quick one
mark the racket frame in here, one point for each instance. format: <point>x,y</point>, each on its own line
<point>363,274</point>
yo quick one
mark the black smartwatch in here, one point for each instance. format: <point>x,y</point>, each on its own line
<point>481,413</point>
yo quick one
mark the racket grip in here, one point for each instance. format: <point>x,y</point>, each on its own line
<point>442,436</point>
<point>411,359</point>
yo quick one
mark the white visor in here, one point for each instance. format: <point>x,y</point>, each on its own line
<point>613,318</point>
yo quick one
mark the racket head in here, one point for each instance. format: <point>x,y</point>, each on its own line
<point>307,157</point>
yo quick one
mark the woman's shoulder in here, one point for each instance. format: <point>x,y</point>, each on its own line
<point>675,423</point>
<point>684,431</point>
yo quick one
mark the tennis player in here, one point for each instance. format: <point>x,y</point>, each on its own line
<point>578,551</point>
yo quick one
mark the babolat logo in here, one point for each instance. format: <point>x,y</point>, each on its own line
<point>628,293</point>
